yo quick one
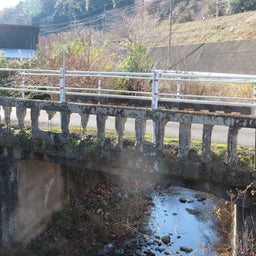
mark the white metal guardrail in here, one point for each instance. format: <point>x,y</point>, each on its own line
<point>156,78</point>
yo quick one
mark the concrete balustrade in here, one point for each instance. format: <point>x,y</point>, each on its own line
<point>160,117</point>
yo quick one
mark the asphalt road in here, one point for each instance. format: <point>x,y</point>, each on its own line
<point>246,136</point>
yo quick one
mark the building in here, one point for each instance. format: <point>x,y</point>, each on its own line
<point>18,41</point>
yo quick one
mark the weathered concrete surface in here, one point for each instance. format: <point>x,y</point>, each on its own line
<point>31,191</point>
<point>115,160</point>
<point>206,145</point>
<point>41,191</point>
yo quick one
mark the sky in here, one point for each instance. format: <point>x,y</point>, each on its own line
<point>8,3</point>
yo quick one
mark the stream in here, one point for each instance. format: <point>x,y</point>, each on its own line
<point>180,222</point>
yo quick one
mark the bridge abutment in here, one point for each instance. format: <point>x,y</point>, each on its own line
<point>30,192</point>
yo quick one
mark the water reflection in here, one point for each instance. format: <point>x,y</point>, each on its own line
<point>181,223</point>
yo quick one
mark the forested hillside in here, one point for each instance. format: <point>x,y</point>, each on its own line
<point>58,15</point>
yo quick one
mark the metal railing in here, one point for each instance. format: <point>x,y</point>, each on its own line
<point>156,78</point>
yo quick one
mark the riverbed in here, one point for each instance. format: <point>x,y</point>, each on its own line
<point>180,222</point>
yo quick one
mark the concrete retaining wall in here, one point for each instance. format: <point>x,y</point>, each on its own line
<point>226,57</point>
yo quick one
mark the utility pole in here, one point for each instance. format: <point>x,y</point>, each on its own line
<point>104,18</point>
<point>170,35</point>
<point>217,8</point>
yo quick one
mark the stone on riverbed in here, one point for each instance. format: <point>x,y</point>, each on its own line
<point>186,249</point>
<point>166,239</point>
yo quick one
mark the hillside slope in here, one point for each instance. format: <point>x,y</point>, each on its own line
<point>222,29</point>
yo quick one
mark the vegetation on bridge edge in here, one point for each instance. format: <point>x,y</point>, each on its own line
<point>77,140</point>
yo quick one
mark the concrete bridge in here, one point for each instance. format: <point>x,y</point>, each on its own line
<point>33,161</point>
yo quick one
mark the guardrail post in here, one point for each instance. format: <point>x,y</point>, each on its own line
<point>62,85</point>
<point>178,89</point>
<point>23,86</point>
<point>254,94</point>
<point>154,104</point>
<point>155,89</point>
<point>255,129</point>
<point>99,87</point>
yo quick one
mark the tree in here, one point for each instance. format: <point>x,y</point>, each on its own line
<point>46,14</point>
<point>214,4</point>
<point>33,7</point>
<point>122,3</point>
<point>16,15</point>
<point>237,6</point>
<point>68,9</point>
<point>97,6</point>
<point>6,77</point>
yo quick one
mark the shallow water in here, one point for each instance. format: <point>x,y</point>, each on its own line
<point>186,216</point>
<point>183,216</point>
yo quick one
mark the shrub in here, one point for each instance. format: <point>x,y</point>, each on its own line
<point>137,59</point>
<point>237,6</point>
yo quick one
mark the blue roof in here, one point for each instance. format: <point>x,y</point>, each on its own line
<point>17,53</point>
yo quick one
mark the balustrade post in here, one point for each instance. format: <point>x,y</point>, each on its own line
<point>7,115</point>
<point>120,125</point>
<point>50,114</point>
<point>35,113</point>
<point>65,119</point>
<point>101,126</point>
<point>140,130</point>
<point>184,140</point>
<point>21,113</point>
<point>84,121</point>
<point>206,144</point>
<point>232,145</point>
<point>159,133</point>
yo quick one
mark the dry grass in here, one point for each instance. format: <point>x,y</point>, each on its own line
<point>102,208</point>
<point>226,28</point>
